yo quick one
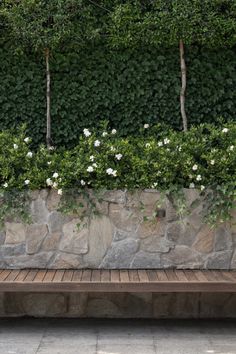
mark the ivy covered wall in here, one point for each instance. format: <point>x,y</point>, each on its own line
<point>126,87</point>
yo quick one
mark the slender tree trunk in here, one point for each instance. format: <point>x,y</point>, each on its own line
<point>183,87</point>
<point>48,77</point>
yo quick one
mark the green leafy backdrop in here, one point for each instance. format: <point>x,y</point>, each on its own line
<point>127,87</point>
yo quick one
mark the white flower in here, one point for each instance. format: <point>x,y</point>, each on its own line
<point>112,148</point>
<point>113,131</point>
<point>160,143</point>
<point>148,145</point>
<point>51,148</point>
<point>91,158</point>
<point>104,134</point>
<point>146,126</point>
<point>49,182</point>
<point>225,130</point>
<point>26,140</point>
<point>55,185</point>
<point>154,185</point>
<point>202,188</point>
<point>118,156</point>
<point>199,178</point>
<point>195,167</point>
<point>97,143</point>
<point>82,182</point>
<point>5,185</point>
<point>231,147</point>
<point>15,146</point>
<point>90,169</point>
<point>29,154</point>
<point>86,132</point>
<point>192,185</point>
<point>166,141</point>
<point>180,148</point>
<point>55,175</point>
<point>59,191</point>
<point>95,165</point>
<point>27,181</point>
<point>49,162</point>
<point>111,172</point>
<point>212,162</point>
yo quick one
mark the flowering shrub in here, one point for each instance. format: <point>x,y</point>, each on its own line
<point>203,158</point>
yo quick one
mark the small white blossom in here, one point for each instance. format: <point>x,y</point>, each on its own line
<point>86,132</point>
<point>27,181</point>
<point>180,148</point>
<point>160,143</point>
<point>195,167</point>
<point>55,175</point>
<point>114,173</point>
<point>166,141</point>
<point>5,185</point>
<point>231,147</point>
<point>118,156</point>
<point>212,162</point>
<point>202,188</point>
<point>51,148</point>
<point>225,130</point>
<point>113,131</point>
<point>154,185</point>
<point>82,182</point>
<point>148,145</point>
<point>15,146</point>
<point>95,165</point>
<point>112,148</point>
<point>90,169</point>
<point>192,185</point>
<point>97,143</point>
<point>49,182</point>
<point>199,178</point>
<point>26,140</point>
<point>111,172</point>
<point>55,185</point>
<point>49,162</point>
<point>59,192</point>
<point>146,126</point>
<point>29,154</point>
<point>91,158</point>
<point>104,134</point>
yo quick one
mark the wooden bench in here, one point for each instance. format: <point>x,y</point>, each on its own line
<point>33,280</point>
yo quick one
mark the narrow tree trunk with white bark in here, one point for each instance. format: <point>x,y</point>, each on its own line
<point>48,78</point>
<point>183,87</point>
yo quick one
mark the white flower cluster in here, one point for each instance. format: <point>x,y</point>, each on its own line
<point>111,172</point>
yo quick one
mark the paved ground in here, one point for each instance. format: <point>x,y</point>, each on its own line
<point>73,336</point>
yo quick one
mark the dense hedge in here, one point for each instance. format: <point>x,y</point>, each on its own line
<point>128,88</point>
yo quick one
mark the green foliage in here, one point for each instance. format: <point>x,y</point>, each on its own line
<point>126,87</point>
<point>203,158</point>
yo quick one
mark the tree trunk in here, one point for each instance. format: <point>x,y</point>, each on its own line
<point>183,87</point>
<point>48,77</point>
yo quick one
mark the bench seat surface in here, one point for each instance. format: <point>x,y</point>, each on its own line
<point>43,280</point>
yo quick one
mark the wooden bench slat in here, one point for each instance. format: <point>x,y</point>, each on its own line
<point>58,275</point>
<point>4,274</point>
<point>49,275</point>
<point>124,276</point>
<point>40,275</point>
<point>115,276</point>
<point>77,275</point>
<point>161,275</point>
<point>21,276</point>
<point>96,275</point>
<point>86,275</point>
<point>31,275</point>
<point>12,276</point>
<point>133,276</point>
<point>143,276</point>
<point>67,275</point>
<point>170,273</point>
<point>152,275</point>
<point>105,275</point>
<point>181,276</point>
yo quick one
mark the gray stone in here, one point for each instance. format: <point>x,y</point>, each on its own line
<point>100,239</point>
<point>67,261</point>
<point>182,257</point>
<point>51,241</point>
<point>39,211</point>
<point>35,235</point>
<point>15,233</point>
<point>204,240</point>
<point>2,237</point>
<point>219,260</point>
<point>155,244</point>
<point>53,200</point>
<point>116,196</point>
<point>102,308</point>
<point>223,239</point>
<point>233,261</point>
<point>120,254</point>
<point>123,218</point>
<point>171,212</point>
<point>74,239</point>
<point>77,304</point>
<point>12,250</point>
<point>121,235</point>
<point>145,260</point>
<point>55,222</point>
<point>180,233</point>
<point>151,228</point>
<point>39,260</point>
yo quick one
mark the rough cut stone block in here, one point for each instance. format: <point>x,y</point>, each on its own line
<point>120,254</point>
<point>39,260</point>
<point>156,244</point>
<point>2,237</point>
<point>74,239</point>
<point>175,305</point>
<point>182,256</point>
<point>123,218</point>
<point>77,304</point>
<point>204,240</point>
<point>55,221</point>
<point>151,228</point>
<point>51,241</point>
<point>143,260</point>
<point>116,196</point>
<point>223,239</point>
<point>100,238</point>
<point>219,260</point>
<point>233,261</point>
<point>180,233</point>
<point>121,235</point>
<point>53,200</point>
<point>12,250</point>
<point>39,211</point>
<point>67,261</point>
<point>35,234</point>
<point>15,232</point>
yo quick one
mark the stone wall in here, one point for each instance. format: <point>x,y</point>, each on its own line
<point>121,305</point>
<point>119,237</point>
